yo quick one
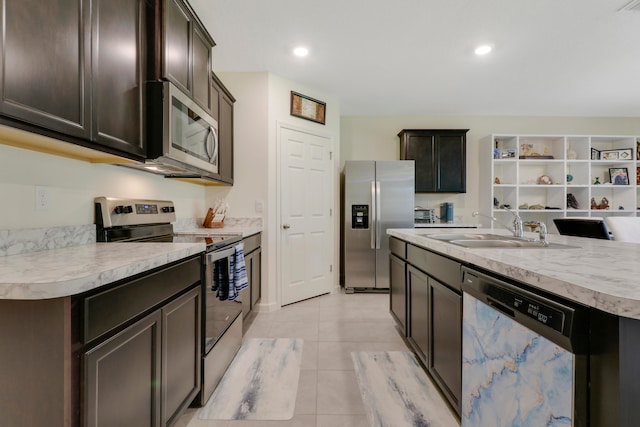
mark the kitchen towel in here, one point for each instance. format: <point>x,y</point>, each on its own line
<point>260,384</point>
<point>238,280</point>
<point>396,391</point>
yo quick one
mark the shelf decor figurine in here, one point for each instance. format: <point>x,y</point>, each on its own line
<point>597,181</point>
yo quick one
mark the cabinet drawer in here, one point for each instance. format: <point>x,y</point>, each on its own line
<point>442,268</point>
<point>398,247</point>
<point>107,310</point>
<point>252,243</point>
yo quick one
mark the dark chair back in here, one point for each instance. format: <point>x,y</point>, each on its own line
<point>583,227</point>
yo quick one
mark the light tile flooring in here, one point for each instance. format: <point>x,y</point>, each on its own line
<point>332,326</point>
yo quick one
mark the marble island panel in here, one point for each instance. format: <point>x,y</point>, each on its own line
<point>73,270</point>
<point>598,273</point>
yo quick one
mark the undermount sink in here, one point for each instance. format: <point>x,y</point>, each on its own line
<point>469,236</point>
<point>509,243</point>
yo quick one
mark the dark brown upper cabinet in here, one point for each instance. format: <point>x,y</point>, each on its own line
<point>74,70</point>
<point>184,50</point>
<point>222,110</point>
<point>118,73</point>
<point>44,66</point>
<point>440,156</point>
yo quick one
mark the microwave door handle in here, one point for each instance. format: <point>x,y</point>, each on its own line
<point>216,144</point>
<point>210,151</point>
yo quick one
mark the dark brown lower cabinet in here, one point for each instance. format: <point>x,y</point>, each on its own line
<point>181,321</point>
<point>122,377</point>
<point>398,291</point>
<point>418,288</point>
<point>149,372</point>
<point>445,357</point>
<point>433,313</point>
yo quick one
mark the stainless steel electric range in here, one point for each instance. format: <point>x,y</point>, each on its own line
<point>138,220</point>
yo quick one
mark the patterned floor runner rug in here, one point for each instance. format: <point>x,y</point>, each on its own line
<point>260,384</point>
<point>396,391</point>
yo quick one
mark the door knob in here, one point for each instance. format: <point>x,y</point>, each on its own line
<point>286,226</point>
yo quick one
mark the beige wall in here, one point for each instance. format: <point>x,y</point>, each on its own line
<point>375,138</point>
<point>73,184</point>
<point>262,105</point>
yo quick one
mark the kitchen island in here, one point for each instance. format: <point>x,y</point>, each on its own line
<point>601,276</point>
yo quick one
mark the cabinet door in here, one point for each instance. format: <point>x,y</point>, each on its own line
<point>397,291</point>
<point>44,66</point>
<point>222,109</point>
<point>122,377</point>
<point>119,72</point>
<point>256,277</point>
<point>201,88</point>
<point>418,287</point>
<point>245,295</point>
<point>177,27</point>
<point>450,158</point>
<point>445,360</point>
<point>181,322</point>
<point>421,148</point>
<point>225,133</point>
<point>440,157</point>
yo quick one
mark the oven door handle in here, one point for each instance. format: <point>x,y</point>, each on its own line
<point>215,256</point>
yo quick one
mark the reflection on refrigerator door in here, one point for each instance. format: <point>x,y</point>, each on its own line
<point>377,195</point>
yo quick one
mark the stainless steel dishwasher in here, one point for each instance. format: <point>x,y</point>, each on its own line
<point>524,356</point>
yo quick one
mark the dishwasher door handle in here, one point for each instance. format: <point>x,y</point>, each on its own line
<point>501,308</point>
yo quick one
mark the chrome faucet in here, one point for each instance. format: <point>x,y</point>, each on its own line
<point>543,233</point>
<point>516,228</point>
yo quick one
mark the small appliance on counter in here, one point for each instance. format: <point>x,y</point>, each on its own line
<point>446,212</point>
<point>424,216</point>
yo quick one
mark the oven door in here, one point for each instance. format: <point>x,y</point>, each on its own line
<point>217,315</point>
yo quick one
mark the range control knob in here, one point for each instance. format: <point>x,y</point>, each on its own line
<point>118,209</point>
<point>128,209</point>
<point>167,209</point>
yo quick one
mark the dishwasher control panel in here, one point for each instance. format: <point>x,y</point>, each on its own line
<point>540,312</point>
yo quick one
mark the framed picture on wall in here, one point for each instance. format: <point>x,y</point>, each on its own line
<point>308,108</point>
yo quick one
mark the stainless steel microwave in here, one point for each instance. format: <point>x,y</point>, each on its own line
<point>181,136</point>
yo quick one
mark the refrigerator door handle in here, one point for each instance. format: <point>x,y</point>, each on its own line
<point>372,226</point>
<point>378,215</point>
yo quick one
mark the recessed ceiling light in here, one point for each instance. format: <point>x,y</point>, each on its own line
<point>301,51</point>
<point>483,50</point>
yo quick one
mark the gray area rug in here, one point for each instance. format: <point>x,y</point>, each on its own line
<point>396,391</point>
<point>260,384</point>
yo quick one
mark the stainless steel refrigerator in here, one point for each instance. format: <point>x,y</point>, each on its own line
<point>377,195</point>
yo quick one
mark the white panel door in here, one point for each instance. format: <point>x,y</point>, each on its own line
<point>306,249</point>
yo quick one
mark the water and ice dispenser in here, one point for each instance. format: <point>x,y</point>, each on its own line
<point>360,217</point>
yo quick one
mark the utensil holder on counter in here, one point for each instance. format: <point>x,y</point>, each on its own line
<point>213,221</point>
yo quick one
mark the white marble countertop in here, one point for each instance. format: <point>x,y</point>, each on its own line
<point>73,270</point>
<point>245,231</point>
<point>602,274</point>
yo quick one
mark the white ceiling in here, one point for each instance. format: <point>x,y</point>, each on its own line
<point>415,57</point>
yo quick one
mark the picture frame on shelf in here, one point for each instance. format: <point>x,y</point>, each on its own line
<point>638,175</point>
<point>619,176</point>
<point>637,148</point>
<point>625,154</point>
<point>609,155</point>
<point>595,154</point>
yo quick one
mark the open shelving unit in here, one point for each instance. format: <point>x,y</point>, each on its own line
<point>536,174</point>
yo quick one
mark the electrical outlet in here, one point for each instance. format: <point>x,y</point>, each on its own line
<point>259,206</point>
<point>42,198</point>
